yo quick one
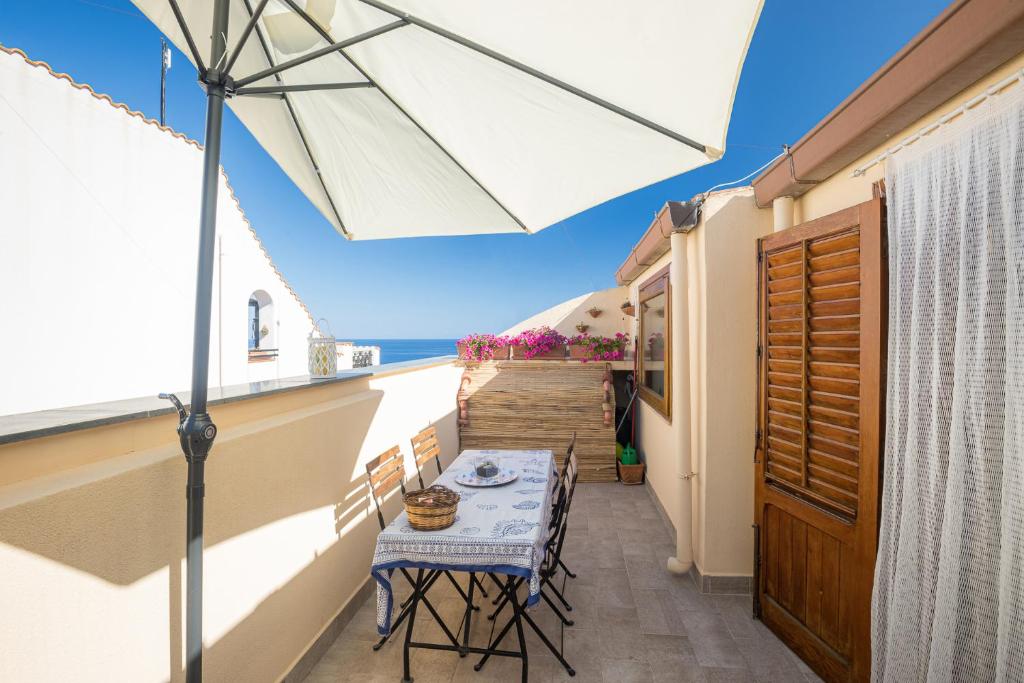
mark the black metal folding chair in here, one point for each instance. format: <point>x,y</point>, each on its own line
<point>569,453</point>
<point>385,473</point>
<point>549,568</point>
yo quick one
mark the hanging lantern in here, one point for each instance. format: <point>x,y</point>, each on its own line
<point>323,354</point>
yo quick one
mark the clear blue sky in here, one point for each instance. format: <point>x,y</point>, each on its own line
<point>806,56</point>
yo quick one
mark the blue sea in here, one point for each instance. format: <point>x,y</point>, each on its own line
<point>397,350</point>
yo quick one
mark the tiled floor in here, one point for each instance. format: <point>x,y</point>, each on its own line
<point>634,620</point>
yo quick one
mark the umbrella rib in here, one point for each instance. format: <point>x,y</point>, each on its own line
<point>188,35</point>
<point>326,36</point>
<point>245,35</point>
<point>298,128</point>
<point>281,89</point>
<point>333,47</point>
<point>519,66</point>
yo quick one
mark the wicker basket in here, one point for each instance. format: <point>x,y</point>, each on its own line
<point>630,474</point>
<point>431,508</point>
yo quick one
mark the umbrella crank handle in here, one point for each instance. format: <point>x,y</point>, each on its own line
<point>177,405</point>
<point>196,431</point>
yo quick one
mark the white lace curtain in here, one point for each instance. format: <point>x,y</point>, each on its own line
<point>948,602</point>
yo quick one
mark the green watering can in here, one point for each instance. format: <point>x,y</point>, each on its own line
<point>628,456</point>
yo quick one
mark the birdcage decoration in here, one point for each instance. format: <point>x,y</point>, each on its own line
<point>323,354</point>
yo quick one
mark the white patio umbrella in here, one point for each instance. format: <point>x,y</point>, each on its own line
<point>428,117</point>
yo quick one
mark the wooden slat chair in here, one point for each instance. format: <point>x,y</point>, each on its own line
<point>385,473</point>
<point>425,447</point>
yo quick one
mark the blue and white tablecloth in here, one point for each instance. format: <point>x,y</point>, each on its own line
<point>501,529</point>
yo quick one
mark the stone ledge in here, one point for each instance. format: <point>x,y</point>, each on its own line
<point>26,426</point>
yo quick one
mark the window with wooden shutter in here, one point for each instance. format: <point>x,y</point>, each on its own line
<point>813,356</point>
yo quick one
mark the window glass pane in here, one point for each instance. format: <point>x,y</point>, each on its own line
<point>652,324</point>
<point>254,324</point>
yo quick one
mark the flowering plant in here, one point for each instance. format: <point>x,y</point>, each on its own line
<point>481,346</point>
<point>602,348</point>
<point>538,341</point>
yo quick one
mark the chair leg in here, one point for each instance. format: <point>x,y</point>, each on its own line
<point>508,627</point>
<point>504,601</point>
<point>561,598</point>
<point>565,620</point>
<point>432,577</point>
<point>462,593</point>
<point>556,652</point>
<point>501,605</point>
<point>479,584</point>
<point>565,569</point>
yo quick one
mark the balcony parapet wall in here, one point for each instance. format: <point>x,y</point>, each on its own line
<point>92,524</point>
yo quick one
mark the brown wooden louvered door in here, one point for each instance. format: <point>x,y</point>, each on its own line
<point>822,304</point>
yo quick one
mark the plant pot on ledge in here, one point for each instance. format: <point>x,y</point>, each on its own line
<point>579,352</point>
<point>496,346</point>
<point>556,353</point>
<point>499,354</point>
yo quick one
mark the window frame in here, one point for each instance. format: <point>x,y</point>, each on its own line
<point>652,287</point>
<point>255,321</point>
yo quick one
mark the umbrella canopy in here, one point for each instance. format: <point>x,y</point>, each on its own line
<point>419,117</point>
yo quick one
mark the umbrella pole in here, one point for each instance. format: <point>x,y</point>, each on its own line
<point>196,430</point>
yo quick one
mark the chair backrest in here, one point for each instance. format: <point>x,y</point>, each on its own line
<point>425,447</point>
<point>561,522</point>
<point>569,453</point>
<point>385,473</point>
<point>560,479</point>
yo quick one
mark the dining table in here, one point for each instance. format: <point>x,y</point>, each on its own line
<point>499,531</point>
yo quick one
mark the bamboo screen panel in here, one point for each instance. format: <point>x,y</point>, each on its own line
<point>812,420</point>
<point>538,405</point>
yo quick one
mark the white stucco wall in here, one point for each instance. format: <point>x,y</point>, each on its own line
<point>99,220</point>
<point>565,316</point>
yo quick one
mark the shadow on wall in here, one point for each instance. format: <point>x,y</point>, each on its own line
<point>303,591</point>
<point>282,490</point>
<point>255,475</point>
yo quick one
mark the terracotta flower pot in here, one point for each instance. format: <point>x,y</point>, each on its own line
<point>557,353</point>
<point>500,353</point>
<point>579,352</point>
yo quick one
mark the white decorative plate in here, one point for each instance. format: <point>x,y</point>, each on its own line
<point>471,479</point>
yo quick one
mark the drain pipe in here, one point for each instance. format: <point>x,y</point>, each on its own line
<point>782,213</point>
<point>679,397</point>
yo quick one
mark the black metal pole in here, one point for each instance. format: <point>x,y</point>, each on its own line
<point>163,81</point>
<point>197,430</point>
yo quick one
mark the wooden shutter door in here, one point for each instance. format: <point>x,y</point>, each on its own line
<point>822,309</point>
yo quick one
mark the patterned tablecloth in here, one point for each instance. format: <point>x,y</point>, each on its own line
<point>501,529</point>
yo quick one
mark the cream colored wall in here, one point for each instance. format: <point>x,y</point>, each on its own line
<point>91,549</point>
<point>722,268</point>
<point>564,317</point>
<point>729,354</point>
<point>654,434</point>
<point>842,190</point>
